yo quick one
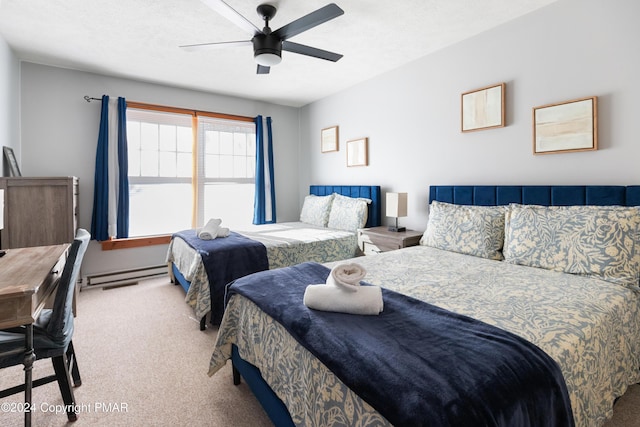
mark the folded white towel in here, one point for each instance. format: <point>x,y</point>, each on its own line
<point>223,232</point>
<point>347,276</point>
<point>367,301</point>
<point>210,230</point>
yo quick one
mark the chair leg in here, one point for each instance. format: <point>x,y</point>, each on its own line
<point>73,363</point>
<point>62,374</point>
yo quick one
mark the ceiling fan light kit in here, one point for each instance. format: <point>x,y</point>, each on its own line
<point>267,59</point>
<point>267,50</point>
<point>267,44</point>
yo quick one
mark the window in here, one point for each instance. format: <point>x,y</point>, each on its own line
<point>186,167</point>
<point>227,165</point>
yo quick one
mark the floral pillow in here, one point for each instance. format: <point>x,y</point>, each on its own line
<point>315,210</point>
<point>600,241</point>
<point>470,230</point>
<point>348,213</point>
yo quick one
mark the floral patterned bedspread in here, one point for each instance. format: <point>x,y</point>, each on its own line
<point>590,327</point>
<point>287,243</point>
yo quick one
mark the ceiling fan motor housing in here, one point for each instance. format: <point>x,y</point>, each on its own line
<point>266,44</point>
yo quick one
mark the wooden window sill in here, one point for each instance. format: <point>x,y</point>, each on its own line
<point>135,242</point>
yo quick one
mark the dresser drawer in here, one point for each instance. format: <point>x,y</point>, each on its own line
<point>380,239</point>
<point>371,249</point>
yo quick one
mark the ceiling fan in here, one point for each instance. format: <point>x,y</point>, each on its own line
<point>268,45</point>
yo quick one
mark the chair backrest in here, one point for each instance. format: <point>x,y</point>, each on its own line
<point>60,325</point>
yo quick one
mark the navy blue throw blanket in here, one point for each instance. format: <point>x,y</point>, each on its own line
<point>226,259</point>
<point>415,363</point>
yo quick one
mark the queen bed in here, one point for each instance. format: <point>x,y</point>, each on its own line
<point>550,272</point>
<point>329,219</point>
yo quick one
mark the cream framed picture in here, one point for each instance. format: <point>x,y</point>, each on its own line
<point>566,126</point>
<point>357,152</point>
<point>483,108</point>
<point>329,139</point>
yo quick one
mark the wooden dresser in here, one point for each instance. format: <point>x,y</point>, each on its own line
<point>39,211</point>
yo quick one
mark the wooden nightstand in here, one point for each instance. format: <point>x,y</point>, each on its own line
<point>380,239</point>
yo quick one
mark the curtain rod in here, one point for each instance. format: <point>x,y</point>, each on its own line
<point>143,105</point>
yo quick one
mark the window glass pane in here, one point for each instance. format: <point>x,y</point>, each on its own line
<point>226,143</point>
<point>233,203</point>
<point>239,167</point>
<point>149,136</point>
<point>226,166</point>
<point>148,163</point>
<point>167,138</point>
<point>240,144</point>
<point>184,166</point>
<point>251,167</point>
<point>212,142</point>
<point>168,164</point>
<point>133,136</point>
<point>134,162</point>
<point>159,208</point>
<point>212,166</point>
<point>184,138</point>
<point>251,145</point>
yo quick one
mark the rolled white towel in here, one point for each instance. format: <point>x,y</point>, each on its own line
<point>210,230</point>
<point>223,232</point>
<point>367,301</point>
<point>347,276</point>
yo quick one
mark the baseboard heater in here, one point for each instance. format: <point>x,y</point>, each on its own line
<point>124,277</point>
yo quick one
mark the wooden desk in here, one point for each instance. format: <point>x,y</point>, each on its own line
<point>28,277</point>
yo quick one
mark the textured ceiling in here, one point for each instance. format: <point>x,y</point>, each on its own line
<point>139,40</point>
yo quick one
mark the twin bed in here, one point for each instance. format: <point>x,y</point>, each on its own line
<point>204,267</point>
<point>542,279</point>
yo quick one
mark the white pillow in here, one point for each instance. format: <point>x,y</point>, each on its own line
<point>315,210</point>
<point>348,213</point>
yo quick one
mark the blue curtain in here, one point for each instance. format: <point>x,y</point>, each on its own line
<point>122,229</point>
<point>264,208</point>
<point>110,216</point>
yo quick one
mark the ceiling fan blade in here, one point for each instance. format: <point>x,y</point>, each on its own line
<point>232,15</point>
<point>310,51</point>
<point>262,69</point>
<point>318,17</point>
<point>205,46</point>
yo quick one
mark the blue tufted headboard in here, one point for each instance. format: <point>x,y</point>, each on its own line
<point>371,192</point>
<point>546,195</point>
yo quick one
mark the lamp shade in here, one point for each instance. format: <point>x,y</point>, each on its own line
<point>397,204</point>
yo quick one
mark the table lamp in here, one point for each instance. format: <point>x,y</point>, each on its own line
<point>396,207</point>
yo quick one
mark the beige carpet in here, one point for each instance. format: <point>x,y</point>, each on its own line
<point>144,362</point>
<point>141,351</point>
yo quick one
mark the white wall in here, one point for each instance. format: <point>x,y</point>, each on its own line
<point>570,49</point>
<point>9,102</point>
<point>59,133</point>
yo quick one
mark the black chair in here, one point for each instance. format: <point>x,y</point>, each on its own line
<point>52,333</point>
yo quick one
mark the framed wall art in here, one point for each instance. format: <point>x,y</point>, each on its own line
<point>566,126</point>
<point>14,170</point>
<point>329,139</point>
<point>357,152</point>
<point>483,108</point>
